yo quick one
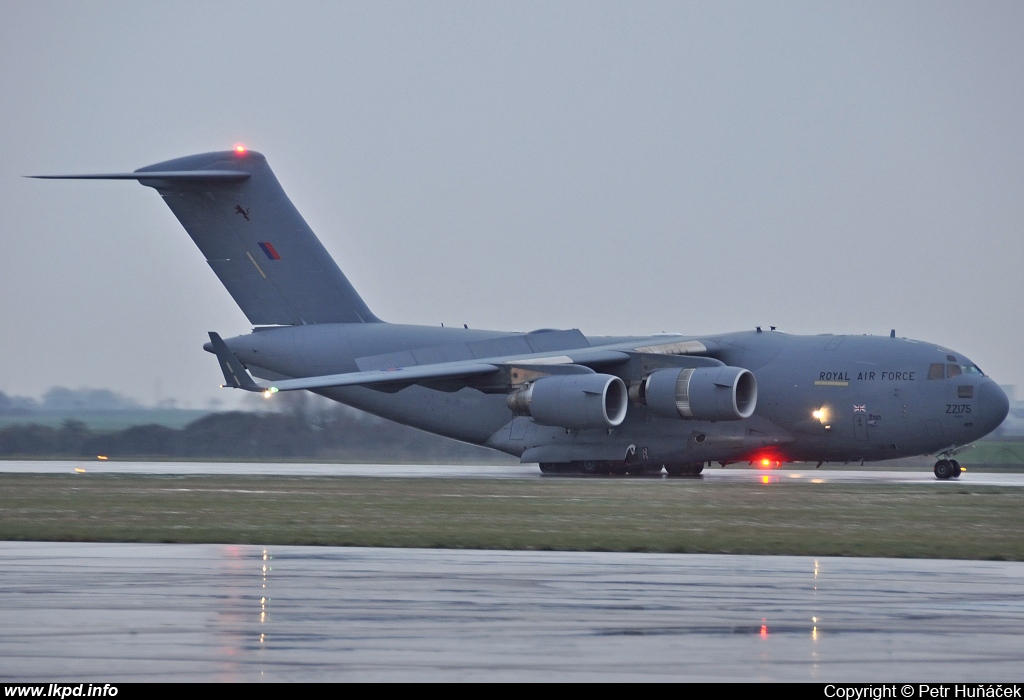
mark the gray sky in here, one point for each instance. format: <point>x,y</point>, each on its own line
<point>616,167</point>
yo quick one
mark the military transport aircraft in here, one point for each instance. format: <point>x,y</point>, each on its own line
<point>572,403</point>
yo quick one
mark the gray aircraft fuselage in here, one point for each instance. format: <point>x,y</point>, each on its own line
<point>560,398</point>
<point>820,398</point>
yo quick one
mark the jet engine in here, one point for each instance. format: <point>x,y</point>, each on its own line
<point>573,401</point>
<point>703,393</point>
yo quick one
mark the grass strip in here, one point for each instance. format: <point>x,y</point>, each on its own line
<point>955,521</point>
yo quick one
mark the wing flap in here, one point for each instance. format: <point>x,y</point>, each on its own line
<point>406,375</point>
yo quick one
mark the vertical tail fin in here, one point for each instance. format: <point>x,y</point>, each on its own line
<point>257,243</point>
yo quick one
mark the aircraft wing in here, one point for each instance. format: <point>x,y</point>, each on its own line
<point>236,376</point>
<point>169,175</point>
<point>404,375</point>
<point>466,372</point>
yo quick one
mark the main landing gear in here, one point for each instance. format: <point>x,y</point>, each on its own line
<point>595,468</point>
<point>685,469</point>
<point>947,469</point>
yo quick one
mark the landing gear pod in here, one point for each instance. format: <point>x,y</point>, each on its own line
<point>573,401</point>
<point>704,393</point>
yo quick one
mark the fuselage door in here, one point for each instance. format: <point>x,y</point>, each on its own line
<point>860,425</point>
<point>934,429</point>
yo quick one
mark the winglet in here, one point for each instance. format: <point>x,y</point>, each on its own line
<point>235,375</point>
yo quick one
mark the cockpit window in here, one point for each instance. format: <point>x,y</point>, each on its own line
<point>941,371</point>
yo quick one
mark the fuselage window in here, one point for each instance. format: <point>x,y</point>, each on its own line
<point>936,371</point>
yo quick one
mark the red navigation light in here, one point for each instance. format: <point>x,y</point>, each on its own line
<point>240,148</point>
<point>767,459</point>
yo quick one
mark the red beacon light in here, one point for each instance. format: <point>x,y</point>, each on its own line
<point>767,460</point>
<point>240,149</point>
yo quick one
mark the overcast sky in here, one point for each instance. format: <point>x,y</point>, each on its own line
<point>618,167</point>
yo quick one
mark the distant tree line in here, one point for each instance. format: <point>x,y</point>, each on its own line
<point>304,428</point>
<point>61,398</point>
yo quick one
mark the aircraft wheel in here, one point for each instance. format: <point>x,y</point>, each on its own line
<point>548,468</point>
<point>590,467</point>
<point>674,469</point>
<point>653,471</point>
<point>956,469</point>
<point>943,469</point>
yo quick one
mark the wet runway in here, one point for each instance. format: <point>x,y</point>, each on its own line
<point>446,471</point>
<point>109,613</point>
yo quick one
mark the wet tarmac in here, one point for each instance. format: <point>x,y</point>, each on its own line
<point>464,471</point>
<point>123,612</point>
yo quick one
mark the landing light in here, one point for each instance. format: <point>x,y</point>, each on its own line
<point>821,415</point>
<point>267,393</point>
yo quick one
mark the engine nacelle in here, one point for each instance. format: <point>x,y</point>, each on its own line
<point>703,393</point>
<point>573,401</point>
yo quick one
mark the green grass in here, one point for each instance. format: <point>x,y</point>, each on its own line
<point>1008,452</point>
<point>957,521</point>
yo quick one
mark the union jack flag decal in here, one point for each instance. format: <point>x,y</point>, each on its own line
<point>863,408</point>
<point>270,252</point>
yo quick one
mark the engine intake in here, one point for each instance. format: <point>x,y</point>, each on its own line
<point>703,393</point>
<point>573,401</point>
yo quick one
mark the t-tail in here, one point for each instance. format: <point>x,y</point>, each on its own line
<point>253,237</point>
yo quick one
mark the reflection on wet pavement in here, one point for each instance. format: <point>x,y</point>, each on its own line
<point>106,612</point>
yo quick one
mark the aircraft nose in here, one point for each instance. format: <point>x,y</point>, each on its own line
<point>993,405</point>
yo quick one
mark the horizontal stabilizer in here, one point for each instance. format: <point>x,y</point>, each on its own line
<point>170,175</point>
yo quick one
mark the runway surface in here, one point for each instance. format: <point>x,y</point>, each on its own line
<point>118,613</point>
<point>446,471</point>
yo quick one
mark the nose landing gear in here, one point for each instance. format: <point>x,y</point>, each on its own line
<point>947,469</point>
